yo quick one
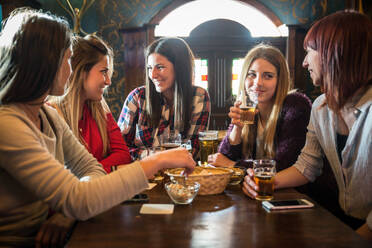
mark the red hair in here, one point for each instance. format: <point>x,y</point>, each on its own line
<point>344,43</point>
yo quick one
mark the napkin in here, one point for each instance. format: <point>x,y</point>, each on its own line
<point>157,208</point>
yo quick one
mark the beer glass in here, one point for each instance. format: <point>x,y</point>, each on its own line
<point>264,172</point>
<point>208,145</point>
<point>248,106</point>
<point>170,140</point>
<point>187,145</point>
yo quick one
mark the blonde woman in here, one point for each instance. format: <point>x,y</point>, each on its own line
<point>279,129</point>
<point>84,108</point>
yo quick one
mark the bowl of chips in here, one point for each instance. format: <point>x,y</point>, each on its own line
<point>212,180</point>
<point>182,193</point>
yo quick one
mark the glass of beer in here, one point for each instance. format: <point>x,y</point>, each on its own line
<point>208,145</point>
<point>264,172</point>
<point>248,106</point>
<point>170,140</point>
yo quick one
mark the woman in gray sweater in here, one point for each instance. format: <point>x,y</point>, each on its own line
<point>42,165</point>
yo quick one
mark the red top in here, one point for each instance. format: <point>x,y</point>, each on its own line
<point>118,154</point>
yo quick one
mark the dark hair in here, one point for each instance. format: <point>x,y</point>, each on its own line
<point>180,55</point>
<point>344,43</point>
<point>32,46</point>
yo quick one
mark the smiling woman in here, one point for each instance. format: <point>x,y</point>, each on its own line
<point>168,103</point>
<point>279,128</point>
<point>83,106</point>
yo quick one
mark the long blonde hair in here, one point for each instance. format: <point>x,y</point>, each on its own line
<point>283,87</point>
<point>87,52</point>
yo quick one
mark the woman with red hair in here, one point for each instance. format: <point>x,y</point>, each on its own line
<point>339,59</point>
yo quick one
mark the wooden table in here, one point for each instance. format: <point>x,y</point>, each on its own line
<point>226,220</point>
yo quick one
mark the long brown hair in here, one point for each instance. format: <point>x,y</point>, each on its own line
<point>180,55</point>
<point>87,52</point>
<point>32,46</point>
<point>283,87</point>
<point>344,43</point>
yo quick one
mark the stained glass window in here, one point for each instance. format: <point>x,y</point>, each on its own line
<point>237,65</point>
<point>201,73</point>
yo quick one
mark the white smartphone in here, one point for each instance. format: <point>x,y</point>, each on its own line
<point>287,204</point>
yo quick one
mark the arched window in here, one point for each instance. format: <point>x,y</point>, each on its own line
<point>220,33</point>
<point>181,21</point>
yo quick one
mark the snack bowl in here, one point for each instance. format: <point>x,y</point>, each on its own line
<point>182,193</point>
<point>212,180</point>
<point>237,176</point>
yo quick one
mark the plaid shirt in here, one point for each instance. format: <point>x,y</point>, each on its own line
<point>135,127</point>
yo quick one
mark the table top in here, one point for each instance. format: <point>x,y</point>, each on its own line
<point>229,219</point>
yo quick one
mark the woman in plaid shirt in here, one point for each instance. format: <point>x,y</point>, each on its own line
<point>173,103</point>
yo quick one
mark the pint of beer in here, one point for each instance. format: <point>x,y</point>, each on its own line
<point>247,115</point>
<point>170,140</point>
<point>248,106</point>
<point>208,145</point>
<point>264,172</point>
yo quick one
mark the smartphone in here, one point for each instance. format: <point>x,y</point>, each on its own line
<point>137,199</point>
<point>287,204</point>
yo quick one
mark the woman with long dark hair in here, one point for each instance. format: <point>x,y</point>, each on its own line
<point>169,101</point>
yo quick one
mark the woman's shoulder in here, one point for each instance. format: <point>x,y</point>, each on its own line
<point>201,92</point>
<point>138,92</point>
<point>136,95</point>
<point>297,100</point>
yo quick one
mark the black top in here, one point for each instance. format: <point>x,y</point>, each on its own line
<point>341,141</point>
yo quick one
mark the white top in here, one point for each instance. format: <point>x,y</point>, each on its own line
<point>354,173</point>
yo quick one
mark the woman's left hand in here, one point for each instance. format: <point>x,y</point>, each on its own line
<point>53,231</point>
<point>220,160</point>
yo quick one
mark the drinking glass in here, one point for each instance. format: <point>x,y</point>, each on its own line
<point>264,173</point>
<point>187,145</point>
<point>170,140</point>
<point>208,145</point>
<point>248,106</point>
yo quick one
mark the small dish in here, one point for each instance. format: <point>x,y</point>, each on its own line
<point>237,176</point>
<point>182,193</point>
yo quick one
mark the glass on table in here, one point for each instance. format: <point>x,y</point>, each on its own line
<point>170,140</point>
<point>208,145</point>
<point>186,143</point>
<point>264,173</point>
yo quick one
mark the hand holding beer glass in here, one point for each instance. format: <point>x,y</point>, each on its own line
<point>248,106</point>
<point>264,172</point>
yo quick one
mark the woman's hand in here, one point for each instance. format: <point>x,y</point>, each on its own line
<point>220,160</point>
<point>249,186</point>
<point>234,114</point>
<point>53,231</point>
<point>173,158</point>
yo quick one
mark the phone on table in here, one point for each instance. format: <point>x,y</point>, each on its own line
<point>138,199</point>
<point>287,204</point>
